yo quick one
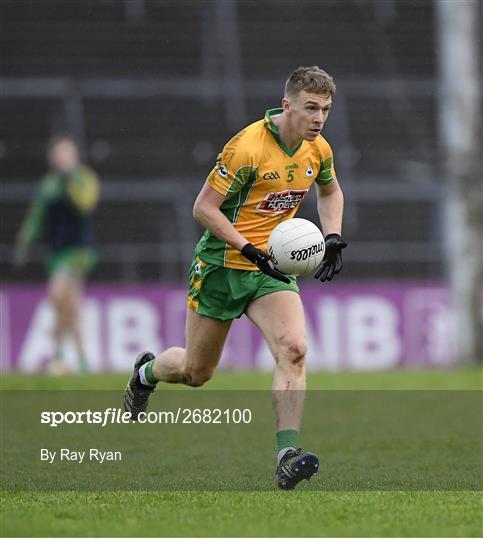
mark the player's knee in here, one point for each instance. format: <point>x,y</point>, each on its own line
<point>197,377</point>
<point>57,294</point>
<point>294,350</point>
<point>60,294</point>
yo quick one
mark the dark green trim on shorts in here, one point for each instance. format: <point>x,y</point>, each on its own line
<point>225,293</point>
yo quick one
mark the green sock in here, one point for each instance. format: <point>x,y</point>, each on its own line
<point>148,372</point>
<point>287,437</point>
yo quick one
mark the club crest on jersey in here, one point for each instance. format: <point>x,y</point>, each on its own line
<point>222,170</point>
<point>280,202</point>
<point>309,172</point>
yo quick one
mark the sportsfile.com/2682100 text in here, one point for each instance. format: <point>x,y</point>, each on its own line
<point>178,415</point>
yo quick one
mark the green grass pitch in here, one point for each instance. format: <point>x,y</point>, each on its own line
<point>247,513</point>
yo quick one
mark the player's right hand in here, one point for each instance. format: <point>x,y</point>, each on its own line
<point>262,260</point>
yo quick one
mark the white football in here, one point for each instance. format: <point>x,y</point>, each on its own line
<point>297,247</point>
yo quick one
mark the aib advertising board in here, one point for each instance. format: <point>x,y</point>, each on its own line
<point>354,327</point>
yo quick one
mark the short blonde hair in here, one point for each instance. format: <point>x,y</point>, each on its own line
<point>311,79</point>
<point>60,138</point>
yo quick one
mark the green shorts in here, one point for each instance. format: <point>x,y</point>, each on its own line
<point>78,260</point>
<point>224,293</point>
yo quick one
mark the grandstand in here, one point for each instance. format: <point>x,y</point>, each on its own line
<point>153,89</point>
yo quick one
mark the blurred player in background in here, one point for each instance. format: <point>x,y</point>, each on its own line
<point>259,180</point>
<point>61,212</point>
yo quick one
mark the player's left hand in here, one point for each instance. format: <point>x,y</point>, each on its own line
<point>332,263</point>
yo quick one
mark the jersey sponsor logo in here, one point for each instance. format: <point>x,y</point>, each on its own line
<point>304,254</point>
<point>309,172</point>
<point>279,202</point>
<point>222,170</point>
<point>271,176</point>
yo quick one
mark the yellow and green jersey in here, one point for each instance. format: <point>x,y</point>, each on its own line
<point>263,183</point>
<point>61,210</point>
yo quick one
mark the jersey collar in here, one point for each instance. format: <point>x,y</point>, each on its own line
<point>270,125</point>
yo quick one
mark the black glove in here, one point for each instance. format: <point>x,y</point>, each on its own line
<point>261,259</point>
<point>332,263</point>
